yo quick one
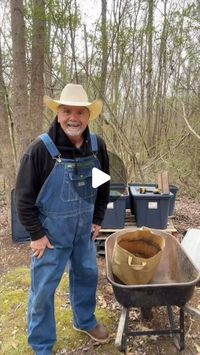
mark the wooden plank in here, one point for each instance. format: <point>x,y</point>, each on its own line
<point>165,182</point>
<point>131,223</point>
<point>159,181</point>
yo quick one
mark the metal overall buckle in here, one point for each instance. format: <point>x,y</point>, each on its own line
<point>58,158</point>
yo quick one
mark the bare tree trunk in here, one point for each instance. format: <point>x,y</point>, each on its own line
<point>8,165</point>
<point>161,81</point>
<point>104,46</point>
<point>198,6</point>
<point>37,69</point>
<point>20,96</point>
<point>73,34</point>
<point>143,64</point>
<point>149,72</point>
<point>104,41</point>
<point>86,53</point>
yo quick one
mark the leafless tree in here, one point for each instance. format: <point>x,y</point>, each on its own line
<point>37,68</point>
<point>20,95</point>
<point>8,168</point>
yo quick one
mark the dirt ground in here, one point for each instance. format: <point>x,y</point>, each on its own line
<point>187,215</point>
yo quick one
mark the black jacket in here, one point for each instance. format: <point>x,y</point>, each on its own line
<point>35,167</point>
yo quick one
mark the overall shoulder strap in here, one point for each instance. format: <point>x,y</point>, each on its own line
<point>94,144</point>
<point>51,147</point>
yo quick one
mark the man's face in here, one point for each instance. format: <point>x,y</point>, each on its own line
<point>73,119</point>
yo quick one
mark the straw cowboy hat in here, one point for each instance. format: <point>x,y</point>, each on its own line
<point>74,95</point>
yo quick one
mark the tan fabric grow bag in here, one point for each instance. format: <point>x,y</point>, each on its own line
<point>136,256</point>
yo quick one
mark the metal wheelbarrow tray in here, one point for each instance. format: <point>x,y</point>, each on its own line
<point>173,284</point>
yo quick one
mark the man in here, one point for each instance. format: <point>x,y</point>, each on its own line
<point>63,213</point>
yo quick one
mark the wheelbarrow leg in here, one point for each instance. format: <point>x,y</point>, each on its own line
<point>179,339</point>
<point>121,337</point>
<point>182,331</point>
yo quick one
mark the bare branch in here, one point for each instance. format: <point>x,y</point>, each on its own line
<point>187,123</point>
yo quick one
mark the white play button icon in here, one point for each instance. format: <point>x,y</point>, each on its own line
<point>99,177</point>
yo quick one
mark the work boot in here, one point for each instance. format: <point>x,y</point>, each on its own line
<point>98,333</point>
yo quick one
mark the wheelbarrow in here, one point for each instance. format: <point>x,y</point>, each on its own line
<point>173,284</point>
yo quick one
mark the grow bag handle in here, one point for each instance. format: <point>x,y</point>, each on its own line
<point>136,266</point>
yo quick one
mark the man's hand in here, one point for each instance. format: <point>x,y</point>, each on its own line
<point>95,231</point>
<point>38,246</point>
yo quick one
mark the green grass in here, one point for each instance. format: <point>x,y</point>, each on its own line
<point>14,291</point>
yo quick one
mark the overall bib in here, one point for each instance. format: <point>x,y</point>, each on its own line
<point>66,205</point>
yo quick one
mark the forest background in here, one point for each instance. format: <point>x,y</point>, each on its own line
<point>141,57</point>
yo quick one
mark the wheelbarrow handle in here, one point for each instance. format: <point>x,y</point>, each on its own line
<point>136,266</point>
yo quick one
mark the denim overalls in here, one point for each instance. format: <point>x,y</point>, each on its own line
<point>66,206</point>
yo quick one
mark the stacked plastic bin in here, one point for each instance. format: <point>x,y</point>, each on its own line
<point>116,209</point>
<point>150,209</point>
